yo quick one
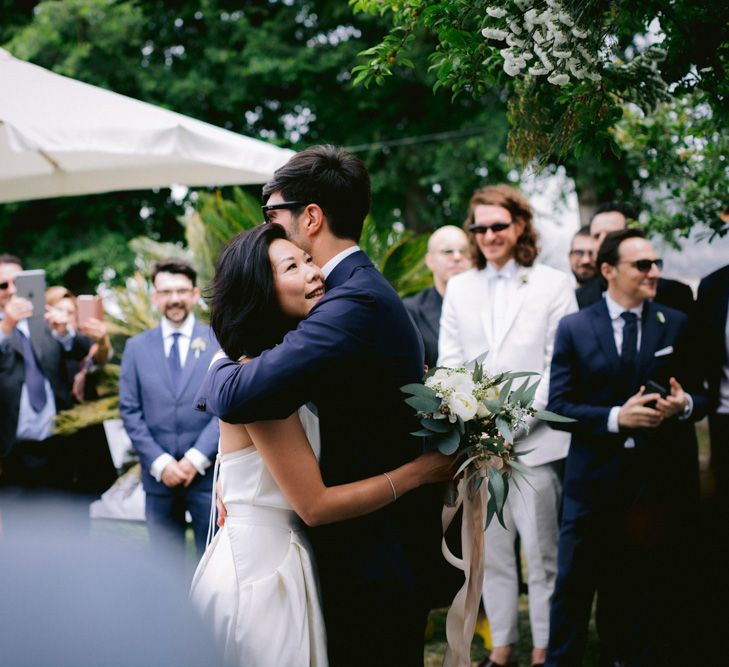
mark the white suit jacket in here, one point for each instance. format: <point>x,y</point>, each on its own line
<point>543,296</point>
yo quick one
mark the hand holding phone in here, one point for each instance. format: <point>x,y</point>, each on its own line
<point>654,388</point>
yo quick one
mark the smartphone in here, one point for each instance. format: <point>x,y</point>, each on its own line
<point>654,388</point>
<point>89,306</point>
<point>31,285</point>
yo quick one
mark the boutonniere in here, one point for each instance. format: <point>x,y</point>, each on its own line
<point>524,278</point>
<point>198,346</point>
<point>661,317</point>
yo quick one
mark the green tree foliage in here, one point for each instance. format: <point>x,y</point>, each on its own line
<point>279,71</point>
<point>568,95</point>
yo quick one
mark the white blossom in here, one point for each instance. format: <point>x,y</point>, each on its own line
<point>538,37</point>
<point>512,40</point>
<point>580,34</point>
<point>494,33</point>
<point>593,76</point>
<point>529,18</point>
<point>565,19</point>
<point>462,405</point>
<point>527,55</point>
<point>558,79</point>
<point>496,12</point>
<point>510,68</point>
<point>563,55</point>
<point>522,4</point>
<point>538,71</point>
<point>554,4</point>
<point>515,27</point>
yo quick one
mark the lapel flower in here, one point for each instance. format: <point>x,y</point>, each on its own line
<point>524,278</point>
<point>661,317</point>
<point>198,345</point>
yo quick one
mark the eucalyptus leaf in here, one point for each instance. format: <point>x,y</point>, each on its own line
<point>547,416</point>
<point>448,444</point>
<point>529,393</point>
<point>504,429</point>
<point>422,404</point>
<point>464,465</point>
<point>437,425</point>
<point>418,389</point>
<point>422,433</point>
<point>505,391</point>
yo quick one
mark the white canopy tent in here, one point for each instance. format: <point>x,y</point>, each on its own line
<point>59,136</point>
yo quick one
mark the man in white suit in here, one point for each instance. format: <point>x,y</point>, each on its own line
<point>510,307</point>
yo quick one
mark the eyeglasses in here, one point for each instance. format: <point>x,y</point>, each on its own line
<point>582,253</point>
<point>284,205</point>
<point>449,252</point>
<point>184,291</point>
<point>496,227</point>
<point>4,285</point>
<point>644,265</point>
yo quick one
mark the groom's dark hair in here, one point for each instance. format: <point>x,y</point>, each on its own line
<point>244,311</point>
<point>333,179</point>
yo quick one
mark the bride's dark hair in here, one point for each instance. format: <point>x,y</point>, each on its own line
<point>245,314</point>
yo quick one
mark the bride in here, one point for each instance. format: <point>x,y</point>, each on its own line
<point>256,582</point>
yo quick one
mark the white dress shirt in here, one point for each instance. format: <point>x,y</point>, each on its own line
<point>199,461</point>
<point>503,283</point>
<point>615,310</point>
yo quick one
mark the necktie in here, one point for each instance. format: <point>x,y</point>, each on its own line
<point>35,380</point>
<point>629,351</point>
<point>173,361</point>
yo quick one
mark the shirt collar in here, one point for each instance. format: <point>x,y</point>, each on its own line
<point>186,328</point>
<point>507,271</point>
<point>616,310</point>
<point>334,261</point>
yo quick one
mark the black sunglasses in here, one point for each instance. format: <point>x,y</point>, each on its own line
<point>644,265</point>
<point>4,285</point>
<point>284,205</point>
<point>495,227</point>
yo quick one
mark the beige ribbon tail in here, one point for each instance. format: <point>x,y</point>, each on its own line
<point>461,618</point>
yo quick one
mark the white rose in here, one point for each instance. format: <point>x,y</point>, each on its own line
<point>482,411</point>
<point>460,382</point>
<point>462,405</point>
<point>492,394</point>
<point>437,378</point>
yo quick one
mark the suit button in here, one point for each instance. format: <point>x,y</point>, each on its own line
<point>201,405</point>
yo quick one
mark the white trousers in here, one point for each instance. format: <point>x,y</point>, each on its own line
<point>532,512</point>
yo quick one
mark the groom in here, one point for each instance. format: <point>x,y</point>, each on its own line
<point>350,357</point>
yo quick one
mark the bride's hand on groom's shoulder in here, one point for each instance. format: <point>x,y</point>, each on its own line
<point>435,467</point>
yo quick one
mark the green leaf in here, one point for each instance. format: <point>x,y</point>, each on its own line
<point>464,465</point>
<point>422,404</point>
<point>437,425</point>
<point>505,429</point>
<point>422,433</point>
<point>418,389</point>
<point>547,416</point>
<point>449,443</point>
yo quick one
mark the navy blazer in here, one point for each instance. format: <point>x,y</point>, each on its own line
<point>52,359</point>
<point>158,419</point>
<point>350,356</point>
<point>712,307</point>
<point>425,309</point>
<point>586,382</point>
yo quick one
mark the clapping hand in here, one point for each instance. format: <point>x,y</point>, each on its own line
<point>675,403</point>
<point>635,413</point>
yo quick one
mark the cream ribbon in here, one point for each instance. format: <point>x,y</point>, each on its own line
<point>461,618</point>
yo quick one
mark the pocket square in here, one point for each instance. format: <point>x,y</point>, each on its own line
<point>664,351</point>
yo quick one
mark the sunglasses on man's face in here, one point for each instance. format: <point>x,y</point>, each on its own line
<point>5,285</point>
<point>644,265</point>
<point>496,227</point>
<point>283,206</point>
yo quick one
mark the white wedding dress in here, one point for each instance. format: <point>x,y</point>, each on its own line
<point>256,582</point>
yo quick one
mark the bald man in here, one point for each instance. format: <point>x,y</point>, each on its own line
<point>448,254</point>
<point>612,217</point>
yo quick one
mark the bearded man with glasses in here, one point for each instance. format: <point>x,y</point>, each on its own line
<point>509,306</point>
<point>622,369</point>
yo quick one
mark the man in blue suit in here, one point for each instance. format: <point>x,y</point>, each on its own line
<point>351,355</point>
<point>161,371</point>
<point>626,463</point>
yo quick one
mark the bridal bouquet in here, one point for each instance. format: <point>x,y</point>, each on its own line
<point>467,412</point>
<point>476,416</point>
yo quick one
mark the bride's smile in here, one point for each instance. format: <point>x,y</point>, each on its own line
<point>298,281</point>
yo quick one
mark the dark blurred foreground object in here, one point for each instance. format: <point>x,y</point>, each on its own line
<point>68,599</point>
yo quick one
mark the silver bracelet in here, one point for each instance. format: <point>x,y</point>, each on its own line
<point>392,486</point>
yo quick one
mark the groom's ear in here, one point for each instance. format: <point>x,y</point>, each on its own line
<point>313,220</point>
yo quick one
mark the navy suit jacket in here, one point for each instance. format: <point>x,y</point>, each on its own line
<point>159,419</point>
<point>586,382</point>
<point>712,306</point>
<point>52,359</point>
<point>425,308</point>
<point>350,356</point>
